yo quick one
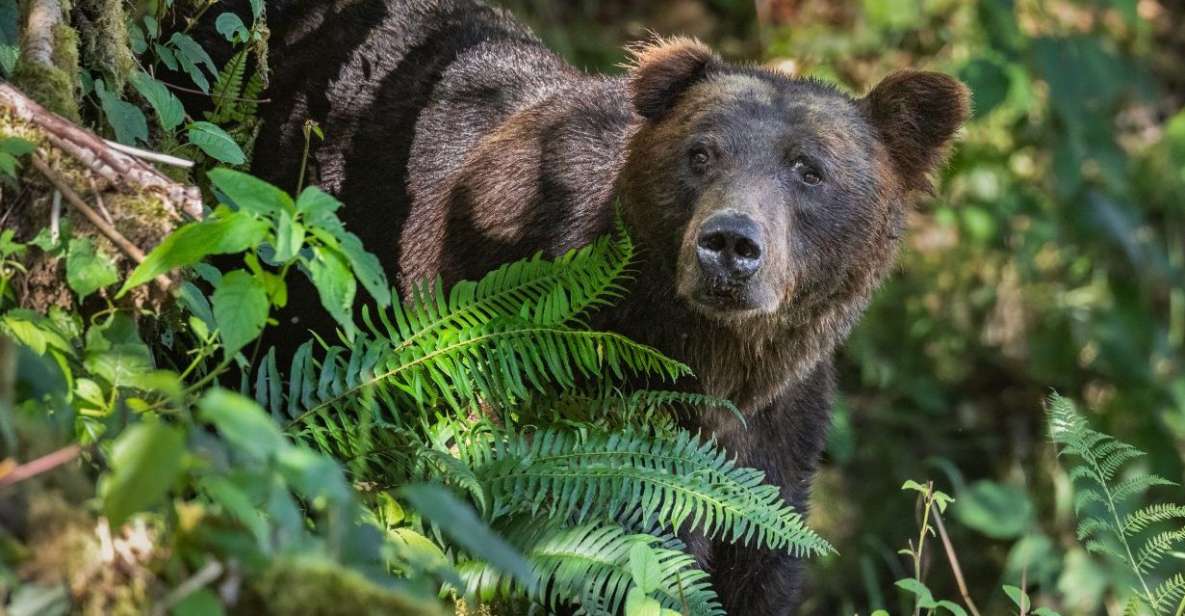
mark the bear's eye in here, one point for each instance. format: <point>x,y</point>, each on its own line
<point>807,173</point>
<point>699,157</point>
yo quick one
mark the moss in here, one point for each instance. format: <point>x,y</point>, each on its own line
<point>54,87</point>
<point>105,41</point>
<point>314,587</point>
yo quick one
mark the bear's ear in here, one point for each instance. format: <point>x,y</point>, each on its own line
<point>662,69</point>
<point>916,113</point>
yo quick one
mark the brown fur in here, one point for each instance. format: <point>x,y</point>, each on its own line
<point>459,142</point>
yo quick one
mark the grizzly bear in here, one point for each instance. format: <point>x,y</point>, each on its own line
<point>766,208</point>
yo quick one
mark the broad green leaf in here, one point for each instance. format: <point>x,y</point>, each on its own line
<point>145,461</point>
<point>915,486</point>
<point>644,567</point>
<point>638,604</point>
<point>250,193</point>
<point>289,237</point>
<point>240,309</point>
<point>925,599</point>
<point>231,27</point>
<point>996,510</point>
<point>169,111</point>
<point>8,164</point>
<point>462,525</point>
<point>215,142</point>
<point>227,234</point>
<point>366,267</point>
<point>191,56</point>
<point>201,602</point>
<point>1019,597</point>
<point>989,83</point>
<point>87,269</point>
<point>17,146</point>
<point>317,206</point>
<point>115,352</point>
<point>125,119</point>
<point>335,285</point>
<point>242,423</point>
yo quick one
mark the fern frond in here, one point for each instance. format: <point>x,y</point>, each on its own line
<point>541,291</point>
<point>681,483</point>
<point>1137,484</point>
<point>611,408</point>
<point>1169,593</point>
<point>1157,547</point>
<point>1152,514</point>
<point>229,86</point>
<point>588,566</point>
<point>1102,458</point>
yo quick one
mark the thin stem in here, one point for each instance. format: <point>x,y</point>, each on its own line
<point>917,555</point>
<point>953,559</point>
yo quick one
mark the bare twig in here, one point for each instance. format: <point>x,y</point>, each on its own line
<point>55,217</point>
<point>953,559</point>
<point>99,202</point>
<point>155,157</point>
<point>128,248</point>
<point>43,464</point>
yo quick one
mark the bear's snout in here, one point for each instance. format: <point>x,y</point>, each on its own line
<point>729,248</point>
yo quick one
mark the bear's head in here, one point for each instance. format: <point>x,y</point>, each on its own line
<point>768,197</point>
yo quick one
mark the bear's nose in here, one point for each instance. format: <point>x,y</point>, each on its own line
<point>729,247</point>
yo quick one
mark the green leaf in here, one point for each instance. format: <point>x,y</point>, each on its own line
<point>191,243</point>
<point>231,27</point>
<point>256,8</point>
<point>925,599</point>
<point>989,83</point>
<point>250,193</point>
<point>8,164</point>
<point>201,602</point>
<point>240,309</point>
<point>191,56</point>
<point>87,269</point>
<point>169,111</point>
<point>145,461</point>
<point>1019,598</point>
<point>215,142</point>
<point>17,146</point>
<point>289,237</point>
<point>638,604</point>
<point>366,267</point>
<point>335,285</point>
<point>915,486</point>
<point>242,423</point>
<point>996,510</point>
<point>318,206</point>
<point>462,525</point>
<point>125,119</point>
<point>644,566</point>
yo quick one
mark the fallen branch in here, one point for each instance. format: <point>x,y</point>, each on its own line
<point>128,248</point>
<point>113,165</point>
<point>41,465</point>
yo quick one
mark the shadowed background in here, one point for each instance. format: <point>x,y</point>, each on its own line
<point>1051,258</point>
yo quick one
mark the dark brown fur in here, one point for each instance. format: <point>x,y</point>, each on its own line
<point>457,142</point>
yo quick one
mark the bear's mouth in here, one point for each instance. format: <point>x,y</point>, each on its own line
<point>725,301</point>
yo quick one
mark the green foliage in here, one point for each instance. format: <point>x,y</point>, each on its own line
<point>1101,497</point>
